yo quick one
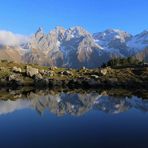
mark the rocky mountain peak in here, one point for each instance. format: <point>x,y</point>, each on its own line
<point>39,32</point>
<point>76,47</point>
<point>142,35</point>
<point>78,30</point>
<point>75,32</point>
<point>139,41</point>
<point>113,41</point>
<point>112,34</point>
<point>57,33</point>
<point>59,28</point>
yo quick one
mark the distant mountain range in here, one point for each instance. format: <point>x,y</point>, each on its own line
<point>75,47</point>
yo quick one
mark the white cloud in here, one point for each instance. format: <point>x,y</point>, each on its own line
<point>12,39</point>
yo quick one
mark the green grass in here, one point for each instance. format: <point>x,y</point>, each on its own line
<point>136,75</point>
<point>4,73</point>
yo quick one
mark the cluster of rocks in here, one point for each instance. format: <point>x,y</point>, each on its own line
<point>30,71</point>
<point>66,73</point>
<point>81,78</point>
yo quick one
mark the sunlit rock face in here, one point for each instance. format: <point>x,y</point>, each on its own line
<point>10,53</point>
<point>114,41</point>
<point>74,47</point>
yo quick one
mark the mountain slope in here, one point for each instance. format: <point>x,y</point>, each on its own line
<point>143,55</point>
<point>74,47</point>
<point>139,41</point>
<point>113,41</point>
<point>10,53</point>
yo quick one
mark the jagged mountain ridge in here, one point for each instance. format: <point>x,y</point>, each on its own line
<point>142,55</point>
<point>75,47</point>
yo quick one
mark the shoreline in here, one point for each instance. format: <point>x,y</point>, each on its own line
<point>15,75</point>
<point>24,92</point>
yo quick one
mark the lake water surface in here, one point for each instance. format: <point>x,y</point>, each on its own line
<point>73,120</point>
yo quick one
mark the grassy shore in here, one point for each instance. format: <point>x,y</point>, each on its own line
<point>13,75</point>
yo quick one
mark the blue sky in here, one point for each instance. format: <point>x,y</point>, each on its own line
<point>25,16</point>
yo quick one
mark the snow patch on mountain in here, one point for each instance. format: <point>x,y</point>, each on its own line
<point>139,41</point>
<point>104,38</point>
<point>74,47</point>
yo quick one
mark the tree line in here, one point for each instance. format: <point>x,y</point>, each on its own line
<point>125,62</point>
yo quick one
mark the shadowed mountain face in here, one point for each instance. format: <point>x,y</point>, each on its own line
<point>143,55</point>
<point>75,47</point>
<point>71,103</point>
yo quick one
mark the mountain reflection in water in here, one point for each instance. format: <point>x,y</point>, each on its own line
<point>72,103</point>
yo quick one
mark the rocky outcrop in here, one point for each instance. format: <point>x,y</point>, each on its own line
<point>15,80</point>
<point>16,69</point>
<point>30,71</point>
<point>106,70</point>
<point>38,76</point>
